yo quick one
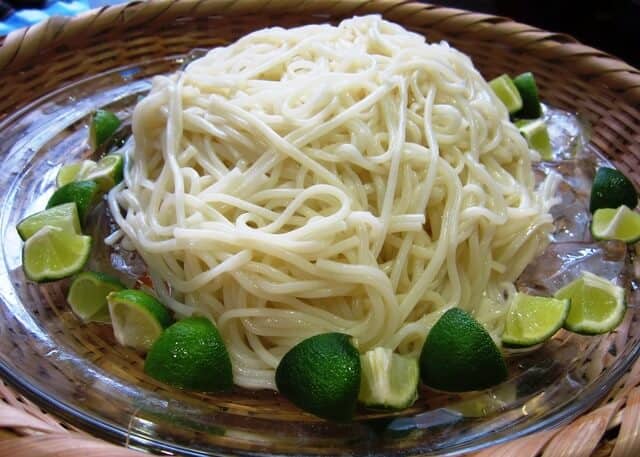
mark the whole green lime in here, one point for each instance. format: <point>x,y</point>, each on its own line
<point>321,375</point>
<point>459,355</point>
<point>190,354</point>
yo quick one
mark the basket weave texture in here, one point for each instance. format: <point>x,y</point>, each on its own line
<point>572,76</point>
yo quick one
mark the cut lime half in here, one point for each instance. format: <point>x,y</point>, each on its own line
<point>107,172</point>
<point>616,224</point>
<point>53,253</point>
<point>389,380</point>
<point>532,320</point>
<point>537,136</point>
<point>597,305</point>
<point>88,295</point>
<point>63,216</point>
<point>138,319</point>
<point>507,92</point>
<point>103,125</point>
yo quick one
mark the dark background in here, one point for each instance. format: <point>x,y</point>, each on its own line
<point>609,25</point>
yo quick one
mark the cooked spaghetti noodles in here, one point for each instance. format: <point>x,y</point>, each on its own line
<point>350,178</point>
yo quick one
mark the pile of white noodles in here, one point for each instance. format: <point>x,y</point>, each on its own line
<point>322,178</point>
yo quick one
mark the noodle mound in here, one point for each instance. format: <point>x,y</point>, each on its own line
<point>322,178</point>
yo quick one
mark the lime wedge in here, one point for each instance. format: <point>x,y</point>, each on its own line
<point>597,305</point>
<point>103,125</point>
<point>73,171</point>
<point>107,172</point>
<point>83,193</point>
<point>535,131</point>
<point>459,355</point>
<point>532,320</point>
<point>321,375</point>
<point>616,224</point>
<point>612,189</point>
<point>54,253</point>
<point>190,354</point>
<point>88,295</point>
<point>389,380</point>
<point>62,216</point>
<point>526,85</point>
<point>507,92</point>
<point>138,319</point>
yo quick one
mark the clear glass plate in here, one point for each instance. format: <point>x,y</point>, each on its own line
<point>78,372</point>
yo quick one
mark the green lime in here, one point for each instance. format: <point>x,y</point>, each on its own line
<point>616,224</point>
<point>54,253</point>
<point>321,375</point>
<point>537,135</point>
<point>103,125</point>
<point>459,355</point>
<point>63,216</point>
<point>107,172</point>
<point>73,171</point>
<point>526,85</point>
<point>88,295</point>
<point>84,194</point>
<point>138,319</point>
<point>532,320</point>
<point>597,305</point>
<point>191,355</point>
<point>507,92</point>
<point>389,380</point>
<point>612,189</point>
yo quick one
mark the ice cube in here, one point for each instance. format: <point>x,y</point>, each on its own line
<point>561,263</point>
<point>569,132</point>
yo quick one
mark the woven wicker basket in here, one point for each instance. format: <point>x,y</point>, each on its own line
<point>40,59</point>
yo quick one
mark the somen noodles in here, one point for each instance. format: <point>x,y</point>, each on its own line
<point>321,178</point>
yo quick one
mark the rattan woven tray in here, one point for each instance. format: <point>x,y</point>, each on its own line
<point>572,76</point>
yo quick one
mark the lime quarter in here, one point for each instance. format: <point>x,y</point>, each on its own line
<point>107,172</point>
<point>73,172</point>
<point>612,189</point>
<point>507,92</point>
<point>63,216</point>
<point>191,355</point>
<point>459,355</point>
<point>389,380</point>
<point>53,253</point>
<point>528,90</point>
<point>102,126</point>
<point>84,194</point>
<point>616,224</point>
<point>87,295</point>
<point>537,136</point>
<point>532,320</point>
<point>321,375</point>
<point>597,305</point>
<point>138,318</point>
